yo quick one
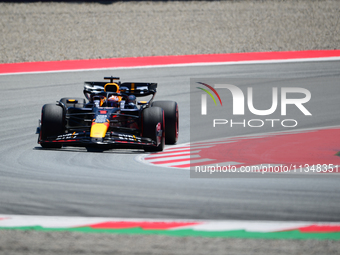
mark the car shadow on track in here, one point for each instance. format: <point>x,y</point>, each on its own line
<point>84,150</point>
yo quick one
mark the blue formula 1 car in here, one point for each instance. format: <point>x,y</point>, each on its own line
<point>110,117</point>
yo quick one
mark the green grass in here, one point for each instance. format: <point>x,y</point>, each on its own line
<point>294,234</point>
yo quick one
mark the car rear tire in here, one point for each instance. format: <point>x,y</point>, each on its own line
<point>80,102</point>
<point>52,124</point>
<point>171,120</point>
<point>150,119</point>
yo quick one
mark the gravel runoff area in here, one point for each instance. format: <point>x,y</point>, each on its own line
<point>60,31</point>
<point>71,243</point>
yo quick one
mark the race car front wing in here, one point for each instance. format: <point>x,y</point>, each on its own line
<point>111,140</point>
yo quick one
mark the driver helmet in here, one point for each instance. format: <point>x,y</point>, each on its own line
<point>113,101</point>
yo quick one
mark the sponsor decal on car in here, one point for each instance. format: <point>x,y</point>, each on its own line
<point>67,136</point>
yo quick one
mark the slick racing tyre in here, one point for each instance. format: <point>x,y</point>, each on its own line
<point>52,124</point>
<point>170,109</point>
<point>73,102</point>
<point>153,124</point>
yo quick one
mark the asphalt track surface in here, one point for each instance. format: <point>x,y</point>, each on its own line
<point>73,182</point>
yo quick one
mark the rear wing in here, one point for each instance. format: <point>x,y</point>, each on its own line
<point>138,89</point>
